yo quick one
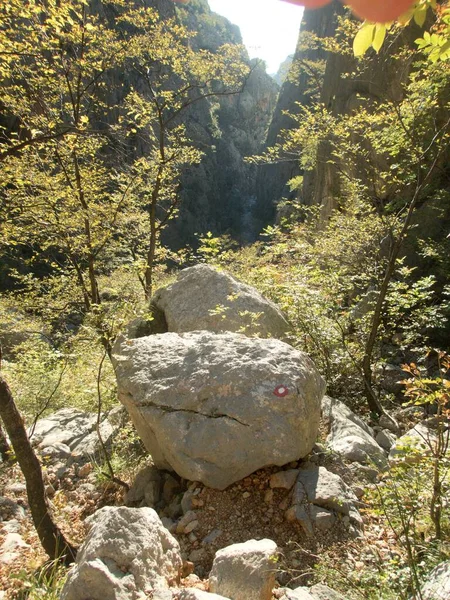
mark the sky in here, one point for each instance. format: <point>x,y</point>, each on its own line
<point>269,27</point>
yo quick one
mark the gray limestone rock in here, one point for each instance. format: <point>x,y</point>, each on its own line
<point>323,592</point>
<point>416,443</point>
<point>207,299</point>
<point>386,439</point>
<point>322,488</point>
<point>127,555</point>
<point>217,407</point>
<point>146,486</point>
<point>301,593</point>
<point>195,594</point>
<point>72,431</point>
<point>349,436</point>
<point>317,496</point>
<point>284,479</point>
<point>437,585</point>
<point>245,571</point>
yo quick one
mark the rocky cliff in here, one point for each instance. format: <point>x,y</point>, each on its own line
<point>334,80</point>
<point>219,193</point>
<point>272,178</point>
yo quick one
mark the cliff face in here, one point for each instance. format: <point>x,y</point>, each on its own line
<point>272,179</point>
<point>341,94</point>
<point>218,194</point>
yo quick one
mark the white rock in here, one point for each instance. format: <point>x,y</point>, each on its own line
<point>13,541</point>
<point>204,298</point>
<point>127,555</point>
<point>437,586</point>
<point>10,549</point>
<point>323,488</point>
<point>245,571</point>
<point>217,407</point>
<point>72,430</point>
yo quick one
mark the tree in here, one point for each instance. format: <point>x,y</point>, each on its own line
<point>88,155</point>
<point>388,152</point>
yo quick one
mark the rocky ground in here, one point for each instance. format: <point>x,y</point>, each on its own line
<point>202,519</point>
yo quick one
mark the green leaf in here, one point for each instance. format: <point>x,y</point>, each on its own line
<point>363,39</point>
<point>379,36</point>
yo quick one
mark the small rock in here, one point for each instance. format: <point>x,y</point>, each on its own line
<point>322,519</point>
<point>212,536</point>
<point>169,524</point>
<point>15,488</point>
<point>268,497</point>
<point>186,501</point>
<point>246,495</point>
<point>13,542</point>
<point>196,594</point>
<point>197,555</point>
<point>12,526</point>
<point>61,470</point>
<point>298,513</point>
<point>388,422</point>
<point>323,592</point>
<point>300,593</point>
<point>386,439</point>
<point>284,479</point>
<point>187,569</point>
<point>189,517</point>
<point>84,470</point>
<point>245,571</point>
<point>49,490</point>
<point>55,452</point>
<point>174,510</point>
<point>190,527</point>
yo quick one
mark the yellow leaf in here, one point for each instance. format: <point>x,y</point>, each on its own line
<point>420,14</point>
<point>363,39</point>
<point>378,38</point>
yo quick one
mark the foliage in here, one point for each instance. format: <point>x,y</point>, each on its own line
<point>46,583</point>
<point>435,41</point>
<point>387,156</point>
<point>84,181</point>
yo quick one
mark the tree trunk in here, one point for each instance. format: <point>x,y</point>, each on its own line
<point>4,446</point>
<point>52,540</point>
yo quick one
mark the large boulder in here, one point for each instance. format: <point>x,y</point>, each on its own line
<point>203,298</point>
<point>245,571</point>
<point>217,407</point>
<point>127,555</point>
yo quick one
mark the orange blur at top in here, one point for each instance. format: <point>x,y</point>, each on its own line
<point>380,11</point>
